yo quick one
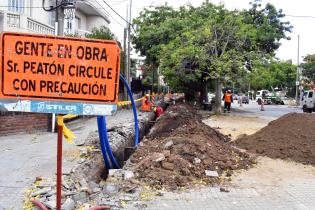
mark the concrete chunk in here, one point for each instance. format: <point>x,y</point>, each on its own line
<point>168,144</point>
<point>211,173</point>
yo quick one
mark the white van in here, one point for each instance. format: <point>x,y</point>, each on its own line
<point>260,94</point>
<point>308,101</point>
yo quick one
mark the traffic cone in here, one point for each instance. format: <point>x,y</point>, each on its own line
<point>146,105</point>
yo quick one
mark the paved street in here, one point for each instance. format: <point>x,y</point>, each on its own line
<point>25,156</point>
<point>271,111</point>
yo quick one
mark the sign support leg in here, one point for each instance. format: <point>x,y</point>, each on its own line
<point>59,168</point>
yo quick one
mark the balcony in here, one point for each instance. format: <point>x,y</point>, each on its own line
<point>10,21</point>
<point>82,33</point>
<point>40,28</point>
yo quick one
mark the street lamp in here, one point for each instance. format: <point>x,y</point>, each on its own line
<point>297,83</point>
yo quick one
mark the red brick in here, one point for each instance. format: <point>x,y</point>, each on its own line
<point>14,122</point>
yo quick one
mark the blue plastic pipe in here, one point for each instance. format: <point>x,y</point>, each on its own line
<point>134,108</point>
<point>106,142</point>
<point>101,122</point>
<point>103,148</point>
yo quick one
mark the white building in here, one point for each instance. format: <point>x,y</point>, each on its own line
<point>29,16</point>
<point>139,67</point>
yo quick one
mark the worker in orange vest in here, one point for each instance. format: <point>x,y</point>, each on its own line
<point>228,99</point>
<point>146,105</point>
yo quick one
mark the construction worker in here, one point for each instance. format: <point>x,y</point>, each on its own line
<point>146,105</point>
<point>228,99</point>
<point>261,103</point>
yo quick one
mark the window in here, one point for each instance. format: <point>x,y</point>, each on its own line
<point>77,23</point>
<point>16,6</point>
<point>310,95</point>
<point>69,26</point>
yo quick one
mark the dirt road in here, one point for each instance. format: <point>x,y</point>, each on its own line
<point>236,125</point>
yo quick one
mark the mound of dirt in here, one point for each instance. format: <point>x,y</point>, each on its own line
<point>180,148</point>
<point>290,137</point>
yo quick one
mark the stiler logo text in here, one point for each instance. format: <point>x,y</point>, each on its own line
<point>55,107</point>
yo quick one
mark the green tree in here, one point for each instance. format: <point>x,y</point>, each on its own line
<point>194,45</point>
<point>153,30</point>
<point>279,74</point>
<point>105,33</point>
<point>308,67</point>
<point>270,28</point>
<point>102,33</point>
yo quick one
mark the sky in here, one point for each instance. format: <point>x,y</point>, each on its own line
<point>302,26</point>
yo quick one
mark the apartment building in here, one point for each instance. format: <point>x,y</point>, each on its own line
<point>29,16</point>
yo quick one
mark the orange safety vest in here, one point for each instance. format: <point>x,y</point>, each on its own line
<point>227,98</point>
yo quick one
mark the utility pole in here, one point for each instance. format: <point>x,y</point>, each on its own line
<point>129,44</point>
<point>126,56</point>
<point>126,62</point>
<point>297,73</point>
<point>248,94</point>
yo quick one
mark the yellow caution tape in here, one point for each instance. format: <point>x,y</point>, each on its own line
<point>124,103</point>
<point>67,133</point>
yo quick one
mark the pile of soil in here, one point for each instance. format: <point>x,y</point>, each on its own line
<point>179,148</point>
<point>290,137</point>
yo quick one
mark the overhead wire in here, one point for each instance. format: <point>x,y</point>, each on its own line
<point>117,13</point>
<point>301,16</point>
<point>52,8</point>
<point>109,14</point>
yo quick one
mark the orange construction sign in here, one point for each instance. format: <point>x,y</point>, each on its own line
<point>59,68</point>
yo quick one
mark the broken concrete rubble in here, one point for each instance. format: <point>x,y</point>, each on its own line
<point>211,173</point>
<point>69,204</point>
<point>157,157</point>
<point>111,189</point>
<point>168,144</point>
<point>83,185</point>
<point>128,174</point>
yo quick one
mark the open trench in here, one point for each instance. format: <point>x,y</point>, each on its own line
<point>123,152</point>
<point>122,143</point>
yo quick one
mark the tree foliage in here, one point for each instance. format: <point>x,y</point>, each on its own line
<point>102,33</point>
<point>281,74</point>
<point>193,45</point>
<point>308,67</point>
<point>105,33</point>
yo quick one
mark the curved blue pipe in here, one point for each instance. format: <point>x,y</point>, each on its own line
<point>103,148</point>
<point>101,122</point>
<point>134,110</point>
<point>106,142</point>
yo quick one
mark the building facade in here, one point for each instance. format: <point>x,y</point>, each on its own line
<point>29,16</point>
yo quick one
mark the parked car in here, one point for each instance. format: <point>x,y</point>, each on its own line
<point>261,94</point>
<point>245,100</point>
<point>308,101</point>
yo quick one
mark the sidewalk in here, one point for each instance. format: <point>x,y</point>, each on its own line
<point>25,156</point>
<point>294,195</point>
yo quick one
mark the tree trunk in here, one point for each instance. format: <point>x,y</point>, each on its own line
<point>203,92</point>
<point>218,96</point>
